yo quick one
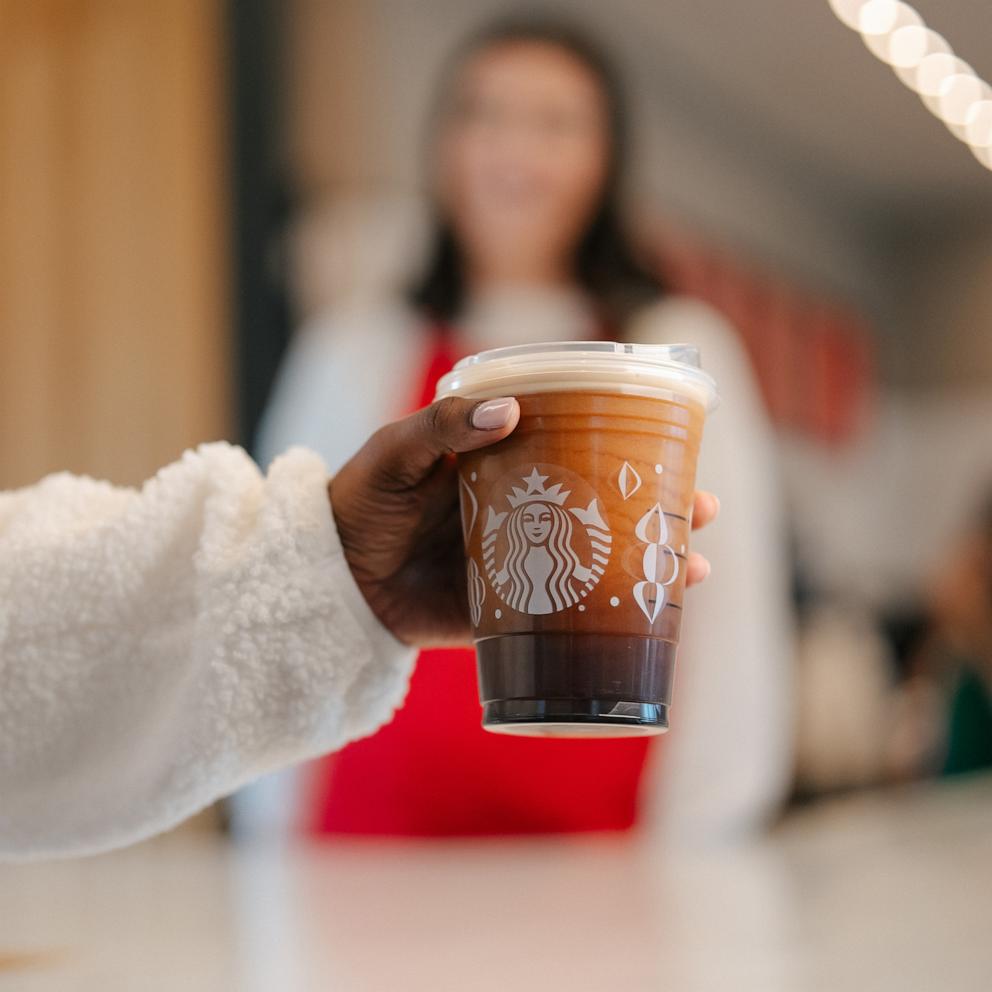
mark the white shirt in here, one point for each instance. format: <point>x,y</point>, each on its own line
<point>161,647</point>
<point>728,760</point>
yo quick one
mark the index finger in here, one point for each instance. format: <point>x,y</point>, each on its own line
<point>405,452</point>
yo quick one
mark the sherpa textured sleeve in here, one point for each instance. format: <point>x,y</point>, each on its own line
<point>160,647</point>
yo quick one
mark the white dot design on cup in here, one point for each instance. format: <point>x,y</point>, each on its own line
<point>474,476</point>
<point>582,608</point>
<point>658,469</point>
<point>614,600</point>
<point>499,614</point>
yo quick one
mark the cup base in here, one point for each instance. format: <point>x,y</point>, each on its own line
<point>576,718</point>
<point>575,685</point>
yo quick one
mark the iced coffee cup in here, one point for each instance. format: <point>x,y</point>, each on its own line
<point>576,532</point>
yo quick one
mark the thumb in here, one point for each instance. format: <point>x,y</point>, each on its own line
<point>409,448</point>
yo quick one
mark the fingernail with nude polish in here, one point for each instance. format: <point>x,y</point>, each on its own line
<point>492,414</point>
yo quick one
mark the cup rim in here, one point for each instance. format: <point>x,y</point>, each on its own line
<point>628,366</point>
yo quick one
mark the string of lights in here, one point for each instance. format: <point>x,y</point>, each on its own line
<point>895,33</point>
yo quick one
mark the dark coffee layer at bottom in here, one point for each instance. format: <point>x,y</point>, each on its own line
<point>575,684</point>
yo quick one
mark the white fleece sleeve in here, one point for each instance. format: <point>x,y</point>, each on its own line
<point>158,648</point>
<point>726,764</point>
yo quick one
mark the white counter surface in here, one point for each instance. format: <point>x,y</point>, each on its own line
<point>892,891</point>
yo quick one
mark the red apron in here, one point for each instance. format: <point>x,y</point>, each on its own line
<point>433,770</point>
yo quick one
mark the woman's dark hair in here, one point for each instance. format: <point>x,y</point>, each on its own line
<point>605,263</point>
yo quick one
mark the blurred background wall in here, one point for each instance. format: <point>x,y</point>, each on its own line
<point>114,331</point>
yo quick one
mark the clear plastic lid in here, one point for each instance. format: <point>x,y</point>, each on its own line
<point>655,370</point>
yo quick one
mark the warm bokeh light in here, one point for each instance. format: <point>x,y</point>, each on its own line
<point>910,44</point>
<point>958,95</point>
<point>934,102</point>
<point>984,155</point>
<point>895,33</point>
<point>848,11</point>
<point>935,70</point>
<point>877,17</point>
<point>879,28</point>
<point>978,127</point>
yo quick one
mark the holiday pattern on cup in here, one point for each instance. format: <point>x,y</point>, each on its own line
<point>476,592</point>
<point>548,548</point>
<point>650,593</point>
<point>470,508</point>
<point>628,480</point>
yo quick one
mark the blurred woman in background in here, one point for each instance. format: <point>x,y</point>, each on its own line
<point>527,161</point>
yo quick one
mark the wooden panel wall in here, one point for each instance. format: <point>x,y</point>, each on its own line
<point>114,350</point>
<point>337,95</point>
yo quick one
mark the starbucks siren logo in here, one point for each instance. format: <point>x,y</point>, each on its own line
<point>542,555</point>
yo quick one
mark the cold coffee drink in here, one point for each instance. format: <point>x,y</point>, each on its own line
<point>576,532</point>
